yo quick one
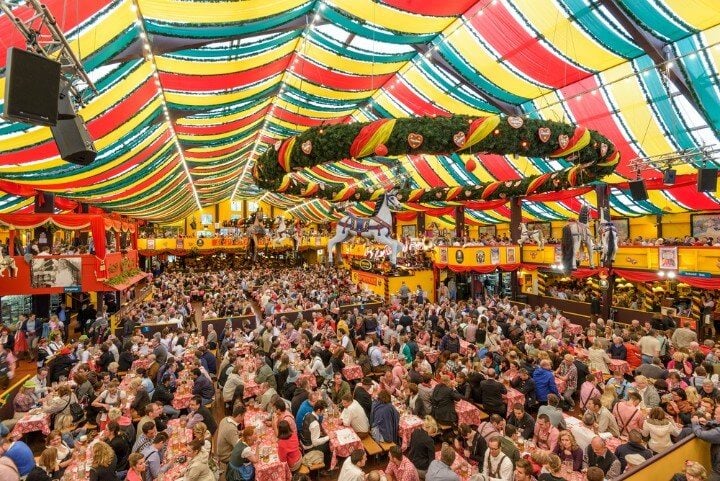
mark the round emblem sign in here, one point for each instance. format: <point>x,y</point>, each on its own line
<point>365,264</point>
<point>200,242</point>
<point>480,257</point>
<point>459,257</point>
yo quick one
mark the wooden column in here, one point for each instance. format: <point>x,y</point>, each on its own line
<point>658,226</point>
<point>421,224</point>
<point>460,221</point>
<point>515,218</point>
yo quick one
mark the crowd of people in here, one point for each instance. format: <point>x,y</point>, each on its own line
<point>450,390</point>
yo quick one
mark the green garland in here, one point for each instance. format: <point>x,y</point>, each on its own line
<point>594,157</point>
<point>124,277</point>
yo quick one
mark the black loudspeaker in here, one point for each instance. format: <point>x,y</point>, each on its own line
<point>638,190</point>
<point>707,179</point>
<point>66,110</point>
<point>73,141</point>
<point>669,176</point>
<point>32,87</point>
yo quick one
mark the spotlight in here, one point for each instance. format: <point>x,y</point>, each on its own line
<point>638,190</point>
<point>669,176</point>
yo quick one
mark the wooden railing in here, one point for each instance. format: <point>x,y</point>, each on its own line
<point>8,396</point>
<point>661,467</point>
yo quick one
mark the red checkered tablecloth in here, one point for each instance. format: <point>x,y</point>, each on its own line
<point>341,447</point>
<point>461,466</point>
<point>352,372</point>
<point>513,396</point>
<point>408,424</point>
<point>619,365</point>
<point>468,413</point>
<point>574,328</point>
<point>560,384</point>
<point>270,468</point>
<point>30,423</point>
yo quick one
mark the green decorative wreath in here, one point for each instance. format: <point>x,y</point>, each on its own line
<point>593,156</point>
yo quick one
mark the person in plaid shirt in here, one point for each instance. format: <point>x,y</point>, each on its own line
<point>400,468</point>
<point>568,373</point>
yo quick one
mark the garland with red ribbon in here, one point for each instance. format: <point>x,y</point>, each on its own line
<point>591,154</point>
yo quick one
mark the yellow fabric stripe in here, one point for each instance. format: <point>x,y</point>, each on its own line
<point>421,83</point>
<point>381,15</point>
<point>701,14</point>
<point>229,11</point>
<point>223,66</point>
<point>103,31</point>
<point>479,57</point>
<point>347,64</point>
<point>565,36</point>
<point>386,103</point>
<point>15,207</point>
<point>639,118</point>
<point>217,98</point>
<point>657,199</point>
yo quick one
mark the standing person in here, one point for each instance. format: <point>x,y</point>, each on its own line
<point>228,435</point>
<point>710,432</point>
<point>400,468</point>
<point>385,419</point>
<point>198,469</point>
<point>443,400</point>
<point>493,392</point>
<point>421,449</point>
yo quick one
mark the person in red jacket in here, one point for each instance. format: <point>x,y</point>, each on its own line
<point>634,357</point>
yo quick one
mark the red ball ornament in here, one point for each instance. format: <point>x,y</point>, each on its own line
<point>470,164</point>
<point>381,150</point>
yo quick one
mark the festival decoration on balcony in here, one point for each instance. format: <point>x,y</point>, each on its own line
<point>459,134</point>
<point>575,234</point>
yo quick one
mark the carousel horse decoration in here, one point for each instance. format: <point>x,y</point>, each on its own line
<point>281,231</point>
<point>575,234</point>
<point>7,264</point>
<point>256,230</point>
<point>534,235</point>
<point>377,227</point>
<point>608,237</point>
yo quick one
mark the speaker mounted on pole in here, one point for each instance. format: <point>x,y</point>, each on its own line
<point>638,190</point>
<point>707,179</point>
<point>73,141</point>
<point>669,176</point>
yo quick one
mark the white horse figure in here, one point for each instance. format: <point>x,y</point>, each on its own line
<point>576,233</point>
<point>534,235</point>
<point>7,264</point>
<point>281,232</point>
<point>377,227</point>
<point>608,237</point>
<point>256,231</point>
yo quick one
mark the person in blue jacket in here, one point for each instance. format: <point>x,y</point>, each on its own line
<point>544,381</point>
<point>20,454</point>
<point>710,432</point>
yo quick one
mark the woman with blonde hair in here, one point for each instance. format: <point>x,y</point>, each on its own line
<point>103,464</point>
<point>552,467</point>
<point>136,462</point>
<point>200,431</point>
<point>198,469</point>
<point>692,396</point>
<point>598,358</point>
<point>46,466</point>
<point>693,472</point>
<point>609,397</point>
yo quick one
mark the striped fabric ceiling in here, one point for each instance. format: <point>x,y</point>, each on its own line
<point>236,76</point>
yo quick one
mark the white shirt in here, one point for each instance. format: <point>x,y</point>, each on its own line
<point>350,472</point>
<point>500,464</point>
<point>355,417</point>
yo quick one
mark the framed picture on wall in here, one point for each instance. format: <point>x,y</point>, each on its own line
<point>510,255</point>
<point>487,230</point>
<point>705,225</point>
<point>668,257</point>
<point>409,231</point>
<point>622,226</point>
<point>545,227</point>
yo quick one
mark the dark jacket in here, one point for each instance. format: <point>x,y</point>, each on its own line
<point>59,367</point>
<point>631,448</point>
<point>617,352</point>
<point>525,425</point>
<point>443,404</point>
<point>300,396</point>
<point>38,474</point>
<point>492,396</point>
<point>125,361</point>
<point>208,419</point>
<point>364,399</point>
<point>203,387</point>
<point>421,449</point>
<point>387,420</point>
<point>121,445</point>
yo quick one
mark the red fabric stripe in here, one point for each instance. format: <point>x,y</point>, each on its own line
<point>514,44</point>
<point>297,119</point>
<point>426,171</point>
<point>414,103</point>
<point>446,8</point>
<point>67,17</point>
<point>499,167</point>
<point>592,112</point>
<point>190,154</point>
<point>689,196</point>
<point>207,83</point>
<point>219,128</point>
<point>137,187</point>
<point>338,80</point>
